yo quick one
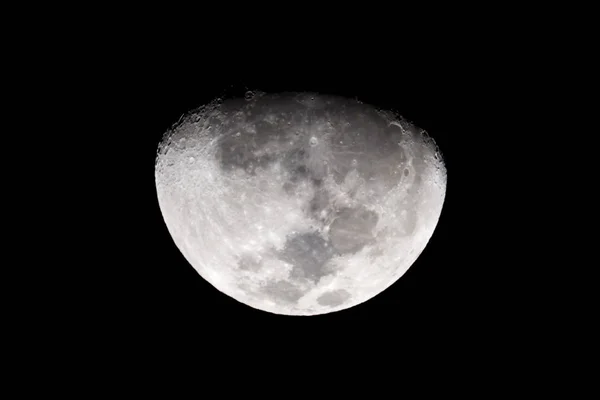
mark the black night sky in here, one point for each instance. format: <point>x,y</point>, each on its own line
<point>108,85</point>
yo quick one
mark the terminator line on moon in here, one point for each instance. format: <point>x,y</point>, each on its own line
<point>299,203</point>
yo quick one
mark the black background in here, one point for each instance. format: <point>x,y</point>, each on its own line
<point>106,86</point>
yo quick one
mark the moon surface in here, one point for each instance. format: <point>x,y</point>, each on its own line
<point>299,203</point>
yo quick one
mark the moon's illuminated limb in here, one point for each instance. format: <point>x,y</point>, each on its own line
<point>299,204</point>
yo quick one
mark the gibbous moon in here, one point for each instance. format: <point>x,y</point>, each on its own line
<point>299,203</point>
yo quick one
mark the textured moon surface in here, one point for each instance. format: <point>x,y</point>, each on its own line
<point>299,203</point>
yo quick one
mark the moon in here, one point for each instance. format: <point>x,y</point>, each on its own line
<point>299,203</point>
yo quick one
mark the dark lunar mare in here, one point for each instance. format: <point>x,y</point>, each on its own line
<point>357,137</point>
<point>283,291</point>
<point>352,229</point>
<point>278,127</point>
<point>356,131</point>
<point>308,253</point>
<point>333,298</point>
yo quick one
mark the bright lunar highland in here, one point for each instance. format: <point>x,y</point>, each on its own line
<point>299,203</point>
